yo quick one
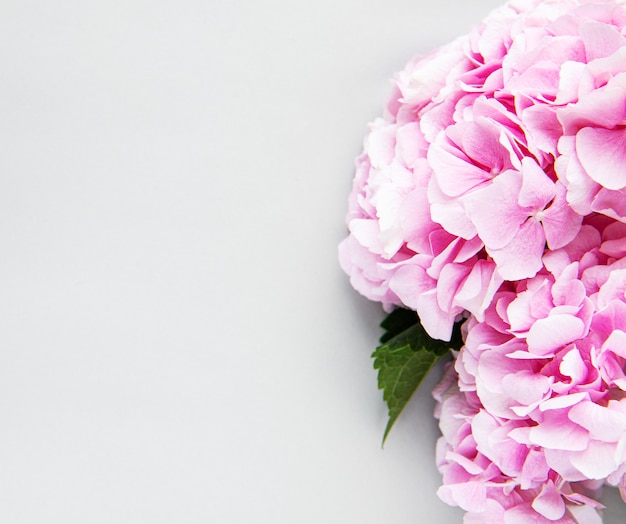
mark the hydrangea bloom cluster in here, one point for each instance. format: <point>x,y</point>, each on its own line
<point>494,189</point>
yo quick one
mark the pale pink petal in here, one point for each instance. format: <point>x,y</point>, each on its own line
<point>410,143</point>
<point>602,108</point>
<point>450,279</point>
<point>494,210</point>
<point>542,127</point>
<point>535,468</point>
<point>453,171</point>
<point>551,333</point>
<point>478,288</point>
<point>526,387</point>
<point>560,222</point>
<point>616,343</point>
<point>573,366</point>
<point>585,514</point>
<point>601,40</point>
<point>493,514</point>
<point>568,289</point>
<point>597,461</point>
<point>557,432</point>
<point>603,424</point>
<point>521,258</point>
<point>602,152</point>
<point>537,189</point>
<point>415,221</point>
<point>560,461</point>
<point>449,212</point>
<point>549,502</point>
<point>563,401</point>
<point>381,144</point>
<point>470,496</point>
<point>525,514</point>
<point>417,291</point>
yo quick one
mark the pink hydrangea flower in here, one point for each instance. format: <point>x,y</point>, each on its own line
<point>494,190</point>
<point>493,477</point>
<point>544,371</point>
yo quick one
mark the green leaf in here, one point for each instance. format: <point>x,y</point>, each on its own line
<point>396,322</point>
<point>404,359</point>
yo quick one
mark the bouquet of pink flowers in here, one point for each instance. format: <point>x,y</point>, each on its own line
<point>488,215</point>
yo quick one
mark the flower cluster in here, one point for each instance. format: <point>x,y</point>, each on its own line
<point>494,189</point>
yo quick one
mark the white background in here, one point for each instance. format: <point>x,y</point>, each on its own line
<point>177,342</point>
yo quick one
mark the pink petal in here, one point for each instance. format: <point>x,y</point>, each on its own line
<point>574,366</point>
<point>494,514</point>
<point>453,171</point>
<point>585,514</point>
<point>560,461</point>
<point>602,152</point>
<point>601,40</point>
<point>563,401</point>
<point>537,189</point>
<point>560,222</point>
<point>551,333</point>
<point>521,258</point>
<point>544,128</point>
<point>450,279</point>
<point>597,461</point>
<point>494,210</point>
<point>471,496</point>
<point>602,107</point>
<point>558,432</point>
<point>604,424</point>
<point>478,289</point>
<point>549,502</point>
<point>417,291</point>
<point>526,387</point>
<point>381,144</point>
<point>535,468</point>
<point>525,514</point>
<point>616,343</point>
